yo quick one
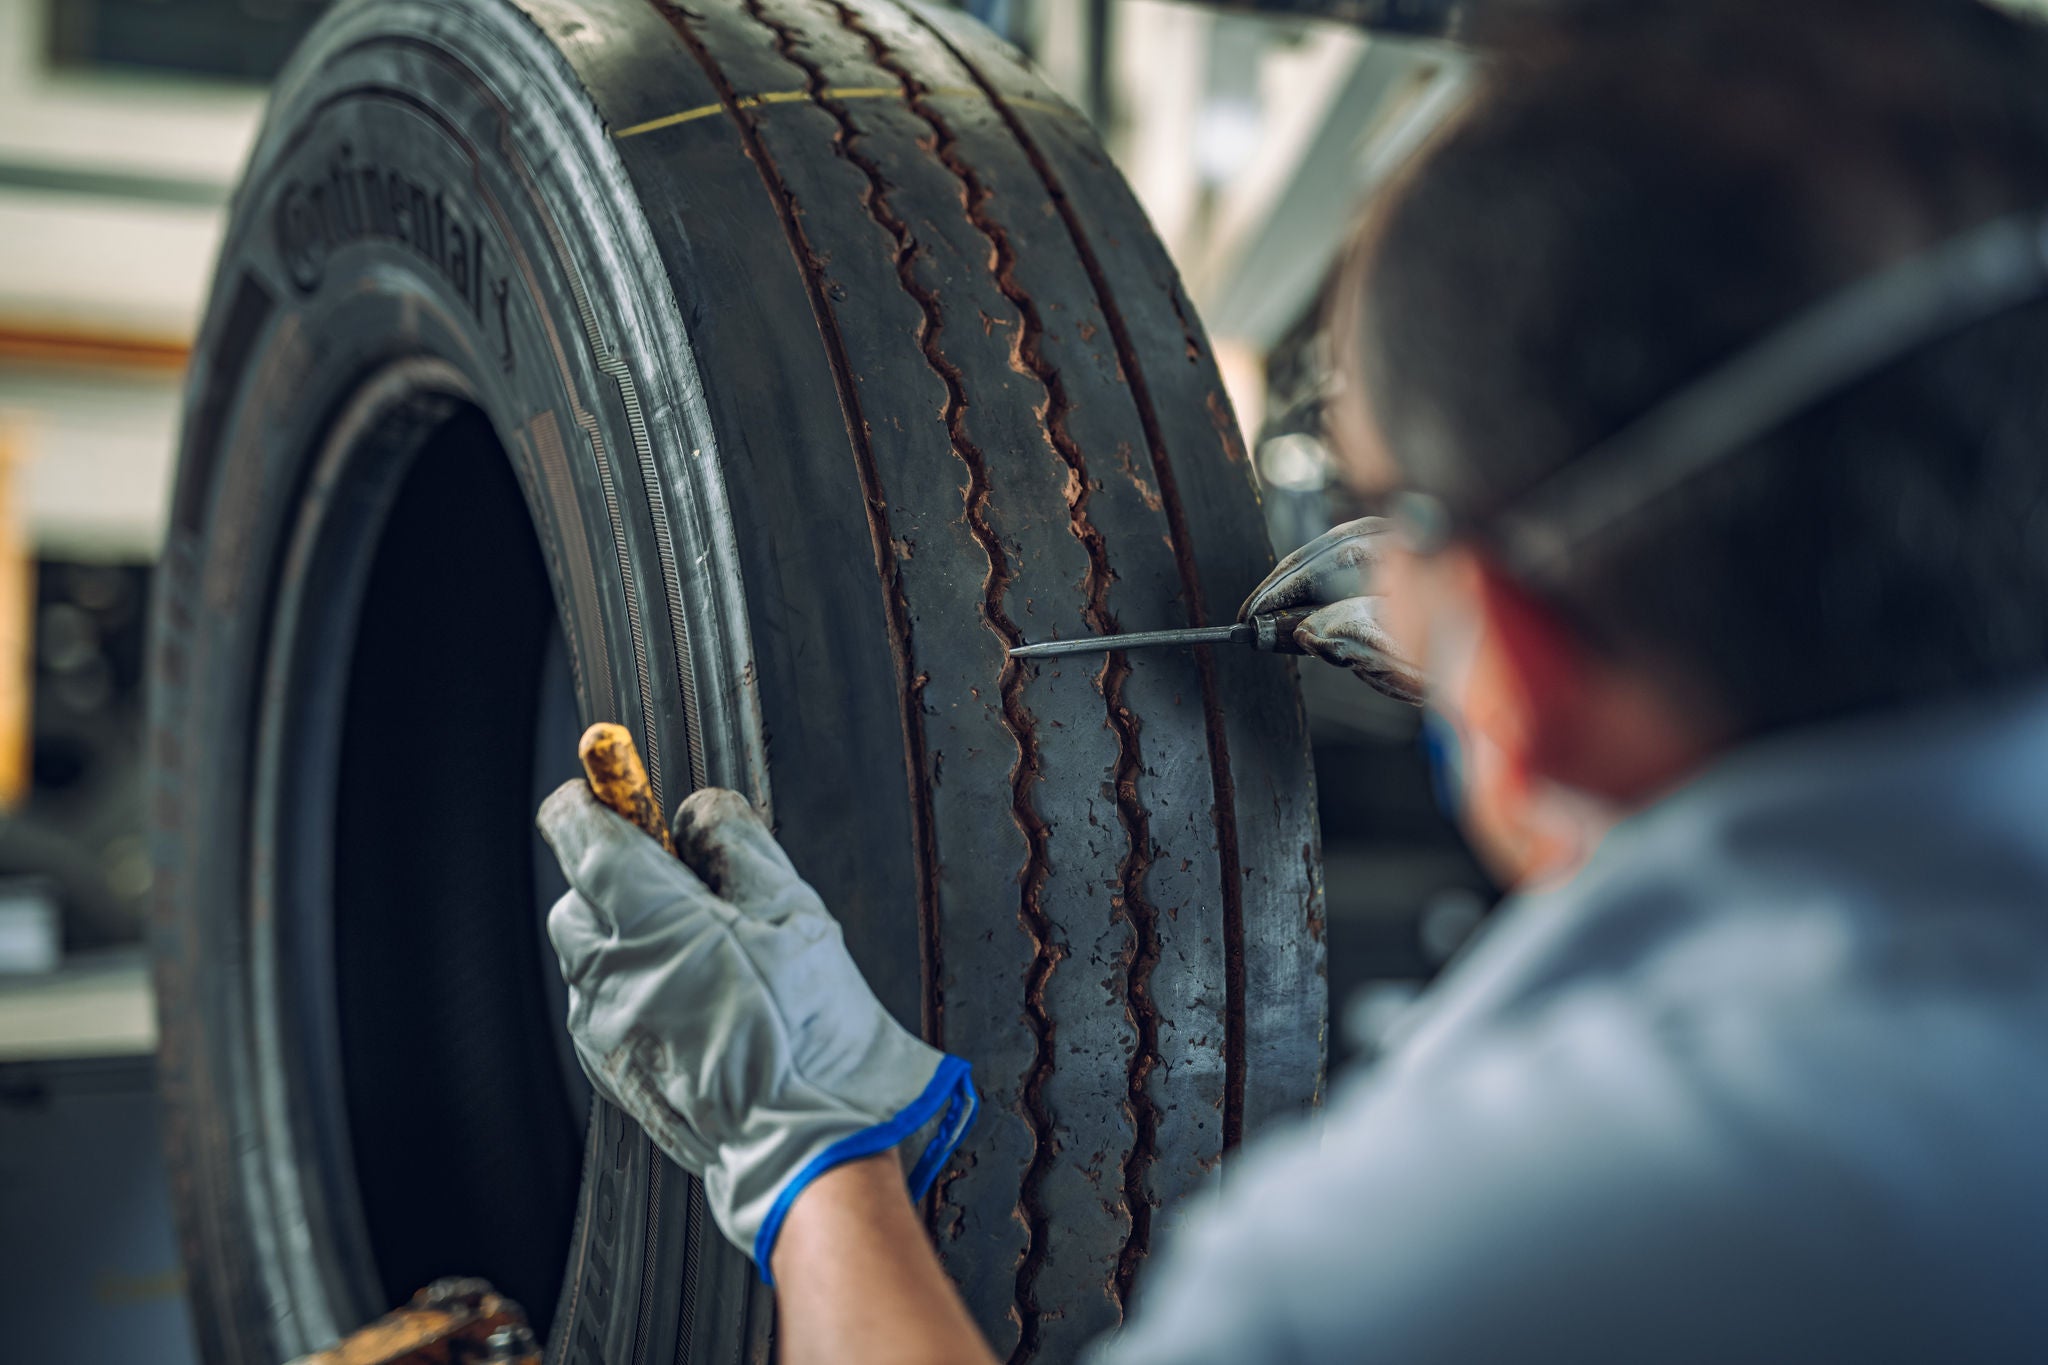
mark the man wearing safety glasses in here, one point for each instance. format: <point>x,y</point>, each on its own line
<point>1699,369</point>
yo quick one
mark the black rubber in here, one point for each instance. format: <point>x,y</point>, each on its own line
<point>796,356</point>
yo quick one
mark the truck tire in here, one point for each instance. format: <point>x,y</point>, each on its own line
<point>752,374</point>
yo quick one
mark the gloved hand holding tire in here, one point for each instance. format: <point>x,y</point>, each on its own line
<point>712,998</point>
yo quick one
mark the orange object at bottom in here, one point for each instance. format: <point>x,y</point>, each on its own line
<point>450,1322</point>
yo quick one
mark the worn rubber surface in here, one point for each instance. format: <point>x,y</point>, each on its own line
<point>831,357</point>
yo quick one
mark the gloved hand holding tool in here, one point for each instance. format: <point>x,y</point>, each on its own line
<point>1318,601</point>
<point>712,998</point>
<point>1331,578</point>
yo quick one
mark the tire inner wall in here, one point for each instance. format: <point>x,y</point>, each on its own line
<point>466,1142</point>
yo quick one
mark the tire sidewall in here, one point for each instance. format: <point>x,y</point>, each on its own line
<point>428,186</point>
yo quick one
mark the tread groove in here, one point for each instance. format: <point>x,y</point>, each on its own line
<point>1183,552</point>
<point>1132,902</point>
<point>895,608</point>
<point>1017,719</point>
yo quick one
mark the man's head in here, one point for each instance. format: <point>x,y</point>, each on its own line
<point>1641,189</point>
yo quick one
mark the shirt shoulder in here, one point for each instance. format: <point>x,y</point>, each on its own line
<point>1596,1183</point>
<point>1424,1218</point>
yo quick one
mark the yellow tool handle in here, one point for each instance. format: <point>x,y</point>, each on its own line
<point>612,763</point>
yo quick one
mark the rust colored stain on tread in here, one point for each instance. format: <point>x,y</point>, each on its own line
<point>1028,358</point>
<point>1184,557</point>
<point>1225,422</point>
<point>1126,460</point>
<point>895,608</point>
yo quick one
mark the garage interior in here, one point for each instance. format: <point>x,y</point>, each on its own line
<point>121,131</point>
<point>123,127</point>
<point>1250,134</point>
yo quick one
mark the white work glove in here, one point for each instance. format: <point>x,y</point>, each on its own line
<point>1333,573</point>
<point>720,1009</point>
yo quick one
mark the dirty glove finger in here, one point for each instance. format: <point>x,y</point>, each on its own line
<point>1348,633</point>
<point>727,843</point>
<point>1335,565</point>
<point>611,862</point>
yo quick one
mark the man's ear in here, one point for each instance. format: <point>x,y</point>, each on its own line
<point>1561,711</point>
<point>1531,678</point>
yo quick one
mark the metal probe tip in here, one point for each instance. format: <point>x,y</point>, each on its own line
<point>1242,633</point>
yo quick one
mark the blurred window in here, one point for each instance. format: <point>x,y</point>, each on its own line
<point>224,39</point>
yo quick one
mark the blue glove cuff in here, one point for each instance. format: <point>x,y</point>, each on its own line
<point>951,1088</point>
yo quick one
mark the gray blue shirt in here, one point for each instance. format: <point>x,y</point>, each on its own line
<point>1768,1081</point>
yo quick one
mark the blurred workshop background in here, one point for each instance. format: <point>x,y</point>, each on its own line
<point>123,125</point>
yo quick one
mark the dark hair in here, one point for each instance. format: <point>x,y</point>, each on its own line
<point>1638,190</point>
